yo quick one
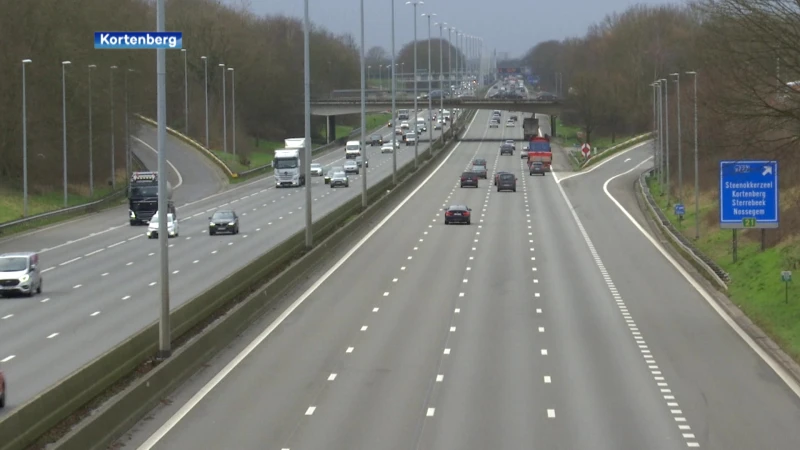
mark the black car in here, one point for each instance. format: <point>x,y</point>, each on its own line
<point>514,117</point>
<point>481,171</point>
<point>469,179</point>
<point>223,221</point>
<point>507,182</point>
<point>536,167</point>
<point>497,175</point>
<point>506,149</point>
<point>457,214</point>
<point>375,139</point>
<point>479,162</point>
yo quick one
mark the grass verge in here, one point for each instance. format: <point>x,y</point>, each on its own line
<point>755,286</point>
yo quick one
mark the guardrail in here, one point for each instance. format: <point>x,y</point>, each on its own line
<point>25,425</point>
<point>630,142</point>
<point>715,272</point>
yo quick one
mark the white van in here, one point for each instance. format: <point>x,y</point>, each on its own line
<point>352,149</point>
<point>19,274</point>
<point>421,125</point>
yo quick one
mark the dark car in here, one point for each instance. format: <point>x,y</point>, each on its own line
<point>507,149</point>
<point>479,162</point>
<point>2,390</point>
<point>457,214</point>
<point>375,139</point>
<point>223,221</point>
<point>507,182</point>
<point>497,176</point>
<point>480,171</point>
<point>514,117</point>
<point>536,167</point>
<point>469,179</point>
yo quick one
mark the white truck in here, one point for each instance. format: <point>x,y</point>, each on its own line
<point>288,164</point>
<point>352,149</point>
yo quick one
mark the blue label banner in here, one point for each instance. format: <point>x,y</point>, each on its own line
<point>748,194</point>
<point>133,40</point>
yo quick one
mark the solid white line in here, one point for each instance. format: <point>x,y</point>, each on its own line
<point>70,261</point>
<point>180,178</point>
<point>600,164</point>
<point>8,358</point>
<point>198,397</point>
<point>52,336</point>
<point>331,377</point>
<point>766,357</point>
<point>7,316</point>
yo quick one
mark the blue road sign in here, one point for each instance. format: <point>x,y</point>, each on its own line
<point>748,194</point>
<point>680,210</point>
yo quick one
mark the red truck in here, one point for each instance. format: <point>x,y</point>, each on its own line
<point>539,151</point>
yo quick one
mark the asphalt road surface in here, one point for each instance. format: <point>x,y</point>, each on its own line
<point>100,284</point>
<point>534,327</point>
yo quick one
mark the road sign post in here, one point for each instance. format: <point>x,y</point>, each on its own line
<point>748,196</point>
<point>786,277</point>
<point>586,149</point>
<point>680,210</point>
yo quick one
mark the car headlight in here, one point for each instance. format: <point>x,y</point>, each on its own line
<point>212,224</point>
<point>232,223</point>
<point>24,278</point>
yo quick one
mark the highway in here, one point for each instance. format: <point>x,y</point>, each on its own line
<point>549,323</point>
<point>100,282</point>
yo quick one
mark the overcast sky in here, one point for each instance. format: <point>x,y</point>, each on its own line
<point>508,25</point>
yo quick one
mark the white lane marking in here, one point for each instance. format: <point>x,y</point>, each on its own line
<point>104,274</point>
<point>452,329</point>
<point>649,359</point>
<point>126,297</point>
<point>544,352</point>
<point>94,313</point>
<point>439,378</point>
<point>198,397</point>
<point>45,300</point>
<point>457,311</point>
<point>7,316</point>
<point>385,294</point>
<point>48,269</point>
<point>600,164</point>
<point>551,413</point>
<point>349,350</point>
<point>195,261</point>
<point>153,283</point>
<point>52,336</point>
<point>331,377</point>
<point>129,264</point>
<point>447,351</point>
<point>77,286</point>
<point>364,328</point>
<point>177,173</point>
<point>70,261</point>
<point>541,329</point>
<point>547,379</point>
<point>8,358</point>
<point>430,412</point>
<point>94,252</point>
<point>375,309</point>
<point>175,272</point>
<point>311,410</point>
<point>151,254</point>
<point>114,245</point>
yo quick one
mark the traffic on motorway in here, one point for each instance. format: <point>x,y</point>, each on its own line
<point>61,297</point>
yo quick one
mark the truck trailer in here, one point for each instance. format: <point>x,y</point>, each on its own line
<point>288,164</point>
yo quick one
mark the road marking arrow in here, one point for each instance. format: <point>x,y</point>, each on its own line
<point>767,171</point>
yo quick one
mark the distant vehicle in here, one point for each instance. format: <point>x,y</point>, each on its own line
<point>497,176</point>
<point>507,182</point>
<point>469,179</point>
<point>351,166</point>
<point>360,161</point>
<point>172,226</point>
<point>523,153</point>
<point>20,274</point>
<point>457,214</point>
<point>506,149</point>
<point>223,221</point>
<point>479,161</point>
<point>494,123</point>
<point>514,117</point>
<point>352,149</point>
<point>536,167</point>
<point>398,131</point>
<point>287,165</point>
<point>387,148</point>
<point>143,197</point>
<point>331,171</point>
<point>510,124</point>
<point>402,114</point>
<point>316,170</point>
<point>530,128</point>
<point>375,140</point>
<point>2,390</point>
<point>404,125</point>
<point>421,124</point>
<point>410,138</point>
<point>339,179</point>
<point>539,150</point>
<point>480,171</point>
<point>511,142</point>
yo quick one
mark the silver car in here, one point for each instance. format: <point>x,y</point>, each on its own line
<point>316,170</point>
<point>339,179</point>
<point>19,274</point>
<point>351,166</point>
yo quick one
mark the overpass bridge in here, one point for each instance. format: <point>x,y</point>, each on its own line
<point>339,107</point>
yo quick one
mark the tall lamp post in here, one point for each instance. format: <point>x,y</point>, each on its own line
<point>224,112</point>
<point>430,87</point>
<point>185,91</point>
<point>364,196</point>
<point>678,113</point>
<point>91,67</point>
<point>113,130</point>
<point>64,65</point>
<point>24,140</point>
<point>696,171</point>
<point>127,132</point>
<point>164,329</point>
<point>233,109</point>
<point>416,107</point>
<point>205,88</point>
<point>394,106</point>
<point>307,113</point>
<point>656,132</point>
<point>441,77</point>
<point>660,132</point>
<point>666,136</point>
<point>450,57</point>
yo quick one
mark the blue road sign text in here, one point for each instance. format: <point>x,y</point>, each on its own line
<point>680,209</point>
<point>748,194</point>
<point>131,40</point>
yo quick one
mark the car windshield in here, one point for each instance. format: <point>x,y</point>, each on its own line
<point>290,163</point>
<point>222,215</point>
<point>339,174</point>
<point>412,135</point>
<point>477,168</point>
<point>353,147</point>
<point>13,264</point>
<point>507,177</point>
<point>375,137</point>
<point>316,166</point>
<point>144,191</point>
<point>155,218</point>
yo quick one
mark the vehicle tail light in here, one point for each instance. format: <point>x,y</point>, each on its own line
<point>466,213</point>
<point>448,213</point>
<point>463,178</point>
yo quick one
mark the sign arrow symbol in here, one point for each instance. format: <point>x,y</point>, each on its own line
<point>767,171</point>
<point>627,160</point>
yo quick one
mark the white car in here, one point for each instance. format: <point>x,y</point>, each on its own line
<point>387,148</point>
<point>172,226</point>
<point>509,124</point>
<point>316,169</point>
<point>404,125</point>
<point>494,124</point>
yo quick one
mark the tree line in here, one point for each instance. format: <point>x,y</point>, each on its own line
<point>266,53</point>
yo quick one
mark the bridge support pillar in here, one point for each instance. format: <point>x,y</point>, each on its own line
<point>553,125</point>
<point>331,128</point>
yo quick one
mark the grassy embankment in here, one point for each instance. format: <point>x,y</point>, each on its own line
<point>756,285</point>
<point>262,155</point>
<point>568,137</point>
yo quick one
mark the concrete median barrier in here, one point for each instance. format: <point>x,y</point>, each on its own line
<point>28,423</point>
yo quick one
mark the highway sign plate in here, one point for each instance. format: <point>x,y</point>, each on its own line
<point>586,149</point>
<point>680,210</point>
<point>786,276</point>
<point>748,194</point>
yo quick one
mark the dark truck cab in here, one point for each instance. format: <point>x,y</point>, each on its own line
<point>143,197</point>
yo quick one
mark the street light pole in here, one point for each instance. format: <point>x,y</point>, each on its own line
<point>307,114</point>
<point>680,140</point>
<point>127,131</point>
<point>24,141</point>
<point>449,58</point>
<point>416,106</point>
<point>441,78</point>
<point>364,197</point>
<point>696,171</point>
<point>113,131</point>
<point>164,331</point>
<point>205,69</point>
<point>666,135</point>
<point>655,125</point>
<point>64,65</point>
<point>91,134</point>
<point>233,109</point>
<point>430,87</point>
<point>394,106</point>
<point>185,91</point>
<point>224,112</point>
